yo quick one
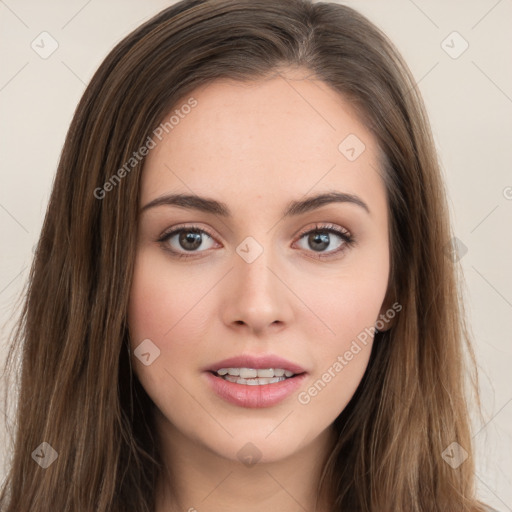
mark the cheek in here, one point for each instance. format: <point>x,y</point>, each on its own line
<point>166,307</point>
<point>349,302</point>
<point>160,297</point>
<point>348,306</point>
<point>341,358</point>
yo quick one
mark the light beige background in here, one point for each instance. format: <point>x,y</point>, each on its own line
<point>469,100</point>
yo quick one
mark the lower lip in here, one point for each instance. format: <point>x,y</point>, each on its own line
<point>245,395</point>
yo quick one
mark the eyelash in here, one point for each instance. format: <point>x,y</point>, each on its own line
<point>348,239</point>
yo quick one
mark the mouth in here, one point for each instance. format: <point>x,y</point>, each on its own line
<point>255,376</point>
<point>254,380</point>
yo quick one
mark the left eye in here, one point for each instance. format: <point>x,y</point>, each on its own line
<point>320,238</point>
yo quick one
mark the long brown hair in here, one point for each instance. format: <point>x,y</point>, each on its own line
<point>77,391</point>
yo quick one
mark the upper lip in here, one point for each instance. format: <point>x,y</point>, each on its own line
<point>256,362</point>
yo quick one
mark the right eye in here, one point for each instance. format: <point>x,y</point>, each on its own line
<point>183,240</point>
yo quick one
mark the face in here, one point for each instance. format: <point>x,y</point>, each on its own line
<point>278,287</point>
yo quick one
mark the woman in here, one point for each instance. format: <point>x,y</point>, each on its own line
<point>240,297</point>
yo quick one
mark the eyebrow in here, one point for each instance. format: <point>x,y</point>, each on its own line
<point>294,208</point>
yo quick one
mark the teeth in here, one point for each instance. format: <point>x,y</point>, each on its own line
<point>253,382</point>
<point>252,373</point>
<point>248,373</point>
<point>263,373</point>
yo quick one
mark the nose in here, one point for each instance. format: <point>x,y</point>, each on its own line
<point>256,296</point>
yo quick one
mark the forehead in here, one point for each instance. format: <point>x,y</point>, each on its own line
<point>282,135</point>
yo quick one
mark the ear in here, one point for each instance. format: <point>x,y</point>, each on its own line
<point>388,312</point>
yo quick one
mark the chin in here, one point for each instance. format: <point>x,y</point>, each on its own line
<point>268,443</point>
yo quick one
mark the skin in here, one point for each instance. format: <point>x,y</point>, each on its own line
<point>256,146</point>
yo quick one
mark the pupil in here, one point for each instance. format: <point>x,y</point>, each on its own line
<point>189,237</point>
<point>323,238</point>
